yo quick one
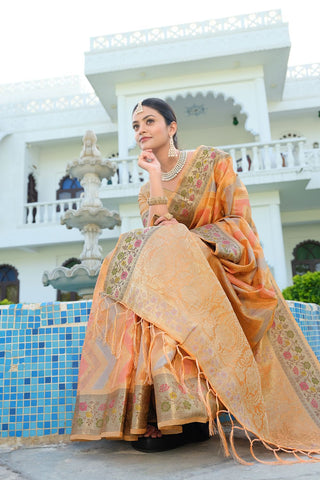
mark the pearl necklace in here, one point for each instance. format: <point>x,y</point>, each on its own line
<point>166,176</point>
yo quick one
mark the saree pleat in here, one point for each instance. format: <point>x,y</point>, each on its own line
<point>187,322</point>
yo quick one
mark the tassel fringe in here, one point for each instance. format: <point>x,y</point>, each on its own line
<point>104,323</point>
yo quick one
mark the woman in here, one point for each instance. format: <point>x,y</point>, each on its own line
<point>187,321</point>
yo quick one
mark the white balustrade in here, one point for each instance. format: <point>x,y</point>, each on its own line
<point>183,31</point>
<point>247,159</point>
<point>48,212</point>
<point>44,105</point>
<point>303,72</point>
<point>253,157</point>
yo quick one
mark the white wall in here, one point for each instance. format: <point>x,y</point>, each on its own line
<point>33,262</point>
<point>266,215</point>
<point>216,136</point>
<point>303,124</point>
<point>12,179</point>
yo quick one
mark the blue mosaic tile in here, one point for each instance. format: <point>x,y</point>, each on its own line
<point>40,348</point>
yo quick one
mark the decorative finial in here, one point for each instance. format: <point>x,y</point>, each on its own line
<point>139,108</point>
<point>89,148</point>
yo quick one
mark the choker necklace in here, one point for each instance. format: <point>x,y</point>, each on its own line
<point>166,176</point>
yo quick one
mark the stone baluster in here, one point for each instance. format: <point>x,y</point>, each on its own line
<point>29,213</point>
<point>45,213</point>
<point>255,159</point>
<point>244,161</point>
<point>301,156</point>
<point>134,170</point>
<point>290,158</point>
<point>266,157</point>
<point>124,173</point>
<point>37,217</point>
<point>278,156</point>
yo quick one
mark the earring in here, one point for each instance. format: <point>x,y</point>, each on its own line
<point>173,152</point>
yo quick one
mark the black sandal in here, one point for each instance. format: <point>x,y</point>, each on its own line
<point>192,432</point>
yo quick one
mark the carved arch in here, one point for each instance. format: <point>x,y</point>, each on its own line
<point>68,296</point>
<point>216,92</point>
<point>9,283</point>
<point>306,257</point>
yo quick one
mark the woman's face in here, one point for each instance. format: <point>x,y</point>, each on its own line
<point>151,130</point>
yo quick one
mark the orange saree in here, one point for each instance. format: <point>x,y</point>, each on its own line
<point>187,322</point>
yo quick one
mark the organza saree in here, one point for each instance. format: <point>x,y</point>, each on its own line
<point>187,323</point>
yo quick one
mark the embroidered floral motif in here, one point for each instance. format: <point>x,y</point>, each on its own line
<point>123,262</point>
<point>176,399</point>
<point>164,387</point>
<point>300,370</point>
<point>193,185</point>
<point>226,246</point>
<point>93,415</point>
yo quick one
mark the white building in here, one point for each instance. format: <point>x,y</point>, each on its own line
<point>228,81</point>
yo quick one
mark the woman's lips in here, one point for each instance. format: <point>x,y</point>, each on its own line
<point>144,139</point>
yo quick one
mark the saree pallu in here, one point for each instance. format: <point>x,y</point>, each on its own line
<point>187,322</point>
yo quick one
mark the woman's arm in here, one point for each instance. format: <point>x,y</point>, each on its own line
<point>158,212</point>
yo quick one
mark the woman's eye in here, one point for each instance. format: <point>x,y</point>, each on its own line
<point>135,127</point>
<point>150,120</point>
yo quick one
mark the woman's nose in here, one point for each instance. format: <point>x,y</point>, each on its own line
<point>142,128</point>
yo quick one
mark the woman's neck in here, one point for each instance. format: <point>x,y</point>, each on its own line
<point>167,163</point>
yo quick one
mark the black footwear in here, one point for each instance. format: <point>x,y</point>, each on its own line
<point>196,432</point>
<point>160,444</point>
<point>192,432</point>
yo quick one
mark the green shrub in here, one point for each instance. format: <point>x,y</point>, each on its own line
<point>5,301</point>
<point>305,288</point>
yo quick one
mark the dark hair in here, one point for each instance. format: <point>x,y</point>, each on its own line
<point>164,109</point>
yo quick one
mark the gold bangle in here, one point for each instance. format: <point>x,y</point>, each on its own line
<point>157,201</point>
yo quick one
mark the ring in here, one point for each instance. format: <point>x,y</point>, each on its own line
<point>149,160</point>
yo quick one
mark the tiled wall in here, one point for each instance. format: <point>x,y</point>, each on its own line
<point>40,347</point>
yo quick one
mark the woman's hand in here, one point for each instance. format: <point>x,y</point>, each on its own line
<point>162,220</point>
<point>149,162</point>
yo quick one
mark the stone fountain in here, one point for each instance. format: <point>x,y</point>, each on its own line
<point>90,219</point>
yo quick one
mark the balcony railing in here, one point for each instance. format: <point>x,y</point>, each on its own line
<point>276,156</point>
<point>48,212</point>
<point>186,31</point>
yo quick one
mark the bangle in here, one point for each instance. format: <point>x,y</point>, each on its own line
<point>157,201</point>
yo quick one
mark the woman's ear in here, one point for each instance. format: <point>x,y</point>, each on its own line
<point>173,128</point>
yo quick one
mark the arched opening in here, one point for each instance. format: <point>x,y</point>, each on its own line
<point>306,257</point>
<point>210,118</point>
<point>68,296</point>
<point>9,283</point>
<point>69,188</point>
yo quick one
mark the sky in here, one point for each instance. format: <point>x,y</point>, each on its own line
<point>43,39</point>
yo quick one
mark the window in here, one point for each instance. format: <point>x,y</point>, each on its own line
<point>9,283</point>
<point>32,196</point>
<point>69,188</point>
<point>69,296</point>
<point>306,257</point>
